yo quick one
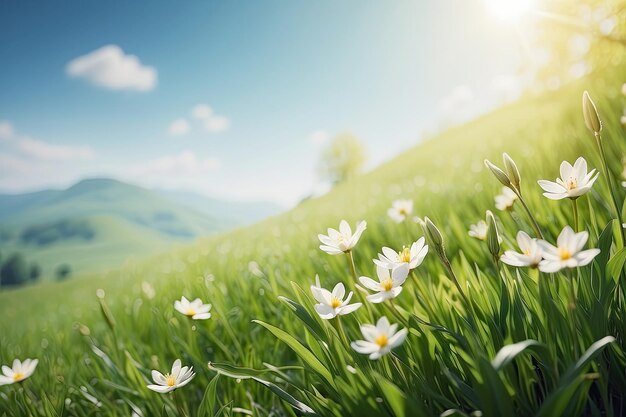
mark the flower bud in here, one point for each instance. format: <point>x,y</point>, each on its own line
<point>432,233</point>
<point>511,170</point>
<point>500,175</point>
<point>590,113</point>
<point>493,239</point>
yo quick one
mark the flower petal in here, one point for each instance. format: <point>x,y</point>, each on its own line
<point>158,377</point>
<point>349,308</point>
<point>369,283</point>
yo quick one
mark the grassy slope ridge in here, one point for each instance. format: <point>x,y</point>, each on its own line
<point>123,220</point>
<point>446,179</point>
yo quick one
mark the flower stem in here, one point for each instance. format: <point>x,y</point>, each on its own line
<point>571,307</point>
<point>609,179</point>
<point>352,267</point>
<point>179,404</point>
<point>340,331</point>
<point>575,210</point>
<point>530,215</point>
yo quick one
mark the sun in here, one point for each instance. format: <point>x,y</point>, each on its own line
<point>510,10</point>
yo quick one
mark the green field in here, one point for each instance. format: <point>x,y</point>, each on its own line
<point>96,356</point>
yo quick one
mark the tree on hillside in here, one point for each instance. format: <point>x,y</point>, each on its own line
<point>35,272</point>
<point>14,271</point>
<point>342,159</point>
<point>63,272</point>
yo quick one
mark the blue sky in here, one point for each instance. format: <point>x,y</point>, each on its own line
<point>280,77</point>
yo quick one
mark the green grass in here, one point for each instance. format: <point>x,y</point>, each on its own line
<point>96,357</point>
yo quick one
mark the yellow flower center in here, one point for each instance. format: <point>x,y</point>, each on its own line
<point>564,254</point>
<point>382,340</point>
<point>571,183</point>
<point>526,252</point>
<point>405,255</point>
<point>18,376</point>
<point>335,302</point>
<point>403,211</point>
<point>387,284</point>
<point>190,312</point>
<point>170,380</point>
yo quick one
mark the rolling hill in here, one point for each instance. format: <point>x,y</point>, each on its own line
<point>99,223</point>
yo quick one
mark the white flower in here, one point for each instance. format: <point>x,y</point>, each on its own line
<point>531,253</point>
<point>479,230</point>
<point>389,285</point>
<point>332,304</point>
<point>178,377</point>
<point>505,200</point>
<point>379,339</point>
<point>18,372</point>
<point>413,256</point>
<point>574,182</point>
<point>342,241</point>
<point>567,253</point>
<point>194,309</point>
<point>400,210</point>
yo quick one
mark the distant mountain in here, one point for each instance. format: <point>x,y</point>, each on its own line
<point>237,212</point>
<point>99,223</point>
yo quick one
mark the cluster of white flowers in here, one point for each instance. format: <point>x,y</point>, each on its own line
<point>537,253</point>
<point>392,269</point>
<point>574,182</point>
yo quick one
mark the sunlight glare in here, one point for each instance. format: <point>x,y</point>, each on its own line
<point>509,10</point>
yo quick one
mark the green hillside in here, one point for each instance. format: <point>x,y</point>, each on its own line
<point>98,224</point>
<point>99,353</point>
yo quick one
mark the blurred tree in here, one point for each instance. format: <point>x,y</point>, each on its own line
<point>342,159</point>
<point>63,272</point>
<point>35,272</point>
<point>571,38</point>
<point>14,271</point>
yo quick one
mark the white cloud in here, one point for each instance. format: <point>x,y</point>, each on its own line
<point>111,68</point>
<point>6,130</point>
<point>19,174</point>
<point>201,111</point>
<point>179,127</point>
<point>44,151</point>
<point>27,163</point>
<point>173,167</point>
<point>319,137</point>
<point>216,123</point>
<point>212,122</point>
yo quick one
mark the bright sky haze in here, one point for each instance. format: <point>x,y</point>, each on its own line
<point>235,99</point>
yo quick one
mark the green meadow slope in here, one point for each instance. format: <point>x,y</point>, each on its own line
<point>98,224</point>
<point>243,272</point>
